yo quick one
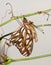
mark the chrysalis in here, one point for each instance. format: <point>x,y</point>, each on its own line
<point>3,56</point>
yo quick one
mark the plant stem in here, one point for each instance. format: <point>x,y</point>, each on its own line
<point>42,25</point>
<point>26,59</point>
<point>32,58</point>
<point>26,15</point>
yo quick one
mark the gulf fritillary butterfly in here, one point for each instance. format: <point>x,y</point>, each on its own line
<point>23,38</point>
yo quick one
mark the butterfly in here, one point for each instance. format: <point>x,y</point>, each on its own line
<point>24,38</point>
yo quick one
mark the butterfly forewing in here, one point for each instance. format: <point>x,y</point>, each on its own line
<point>23,40</point>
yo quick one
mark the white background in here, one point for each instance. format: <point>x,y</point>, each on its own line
<point>20,7</point>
